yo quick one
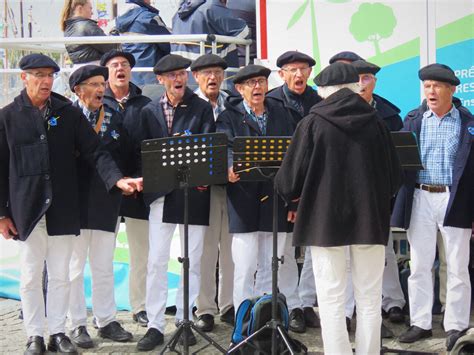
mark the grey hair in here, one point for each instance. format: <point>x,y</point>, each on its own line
<point>326,91</point>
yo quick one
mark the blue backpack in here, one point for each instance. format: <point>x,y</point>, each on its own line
<point>252,315</point>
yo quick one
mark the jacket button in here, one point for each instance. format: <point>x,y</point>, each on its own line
<point>47,201</point>
<point>42,137</point>
<point>46,177</point>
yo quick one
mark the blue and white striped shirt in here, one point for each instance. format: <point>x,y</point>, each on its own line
<point>439,140</point>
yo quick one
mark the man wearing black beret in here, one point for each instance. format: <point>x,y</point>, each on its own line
<point>249,203</point>
<point>177,112</point>
<point>39,193</point>
<point>345,57</point>
<point>440,196</point>
<point>297,98</point>
<point>208,71</point>
<point>125,97</point>
<point>342,168</point>
<point>99,213</point>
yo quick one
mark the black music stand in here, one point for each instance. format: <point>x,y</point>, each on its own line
<point>258,159</point>
<point>408,153</point>
<point>407,150</point>
<point>183,162</point>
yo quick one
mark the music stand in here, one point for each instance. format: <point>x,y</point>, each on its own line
<point>258,159</point>
<point>407,150</point>
<point>406,146</point>
<point>183,162</point>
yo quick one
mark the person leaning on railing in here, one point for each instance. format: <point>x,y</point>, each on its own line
<point>76,22</point>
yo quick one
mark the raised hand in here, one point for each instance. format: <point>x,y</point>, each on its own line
<point>233,177</point>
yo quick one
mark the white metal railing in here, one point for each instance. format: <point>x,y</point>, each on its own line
<point>10,85</point>
<point>38,44</point>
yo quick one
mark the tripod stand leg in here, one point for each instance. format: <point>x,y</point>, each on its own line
<point>171,344</point>
<point>285,338</point>
<point>208,338</point>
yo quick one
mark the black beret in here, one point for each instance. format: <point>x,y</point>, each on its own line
<point>37,60</point>
<point>85,72</point>
<point>346,55</point>
<point>294,56</point>
<point>337,73</point>
<point>208,60</point>
<point>115,53</point>
<point>171,62</point>
<point>251,71</point>
<point>364,67</point>
<point>438,72</point>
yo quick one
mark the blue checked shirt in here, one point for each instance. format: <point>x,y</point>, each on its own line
<point>168,111</point>
<point>261,120</point>
<point>439,140</point>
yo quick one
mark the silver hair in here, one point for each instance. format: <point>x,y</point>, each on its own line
<point>325,91</point>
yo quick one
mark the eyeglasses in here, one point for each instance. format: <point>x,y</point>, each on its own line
<point>209,72</point>
<point>40,75</point>
<point>253,82</point>
<point>293,71</point>
<point>175,75</point>
<point>366,78</point>
<point>124,65</point>
<point>95,85</point>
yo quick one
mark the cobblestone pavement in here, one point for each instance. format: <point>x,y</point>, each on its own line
<point>13,337</point>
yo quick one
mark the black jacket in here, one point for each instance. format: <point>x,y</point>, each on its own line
<point>193,114</point>
<point>247,212</point>
<point>309,98</point>
<point>389,113</point>
<point>132,206</point>
<point>38,173</point>
<point>343,165</point>
<point>84,53</point>
<point>460,210</point>
<point>99,207</point>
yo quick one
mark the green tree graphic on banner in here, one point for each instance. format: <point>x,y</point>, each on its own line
<point>314,31</point>
<point>372,22</point>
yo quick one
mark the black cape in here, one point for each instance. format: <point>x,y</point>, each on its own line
<point>342,164</point>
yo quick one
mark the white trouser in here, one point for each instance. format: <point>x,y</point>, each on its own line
<point>137,236</point>
<point>217,244</point>
<point>263,277</point>
<point>288,275</point>
<point>306,287</point>
<point>246,249</point>
<point>160,238</point>
<point>443,272</point>
<point>392,294</point>
<point>427,215</point>
<point>99,246</point>
<point>350,301</point>
<point>56,251</point>
<point>329,267</point>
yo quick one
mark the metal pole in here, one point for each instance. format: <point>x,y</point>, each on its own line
<point>275,267</point>
<point>21,20</point>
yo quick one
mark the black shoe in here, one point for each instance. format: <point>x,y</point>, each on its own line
<point>35,346</point>
<point>395,315</point>
<point>81,337</point>
<point>311,319</point>
<point>229,316</point>
<point>114,331</point>
<point>190,335</point>
<point>348,324</point>
<point>385,333</point>
<point>205,322</point>
<point>61,343</point>
<point>297,323</point>
<point>413,334</point>
<point>150,340</point>
<point>452,337</point>
<point>141,318</point>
